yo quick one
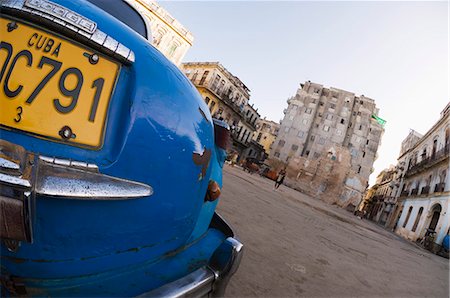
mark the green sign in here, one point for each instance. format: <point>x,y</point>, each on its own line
<point>382,122</point>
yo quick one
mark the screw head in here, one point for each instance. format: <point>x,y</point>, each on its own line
<point>93,59</point>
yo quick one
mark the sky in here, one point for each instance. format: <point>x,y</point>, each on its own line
<point>396,53</point>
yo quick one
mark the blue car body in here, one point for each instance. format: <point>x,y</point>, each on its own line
<point>157,126</point>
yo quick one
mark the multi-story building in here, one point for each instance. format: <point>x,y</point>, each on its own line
<point>400,171</point>
<point>323,124</point>
<point>266,133</point>
<point>383,196</point>
<point>423,184</point>
<point>228,100</point>
<point>169,36</point>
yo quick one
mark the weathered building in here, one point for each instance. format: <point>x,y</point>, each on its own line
<point>228,100</point>
<point>332,127</point>
<point>423,184</point>
<point>383,198</point>
<point>169,36</point>
<point>266,133</point>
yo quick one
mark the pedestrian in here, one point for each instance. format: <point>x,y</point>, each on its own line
<point>280,178</point>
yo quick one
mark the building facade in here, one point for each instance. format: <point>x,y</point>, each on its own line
<point>169,36</point>
<point>381,201</point>
<point>329,126</point>
<point>423,183</point>
<point>228,100</point>
<point>266,133</point>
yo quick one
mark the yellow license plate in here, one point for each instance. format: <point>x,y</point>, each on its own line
<point>52,87</point>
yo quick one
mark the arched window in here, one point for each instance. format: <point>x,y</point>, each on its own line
<point>207,100</point>
<point>419,214</point>
<point>407,216</point>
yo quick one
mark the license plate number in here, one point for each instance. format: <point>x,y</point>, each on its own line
<point>53,87</point>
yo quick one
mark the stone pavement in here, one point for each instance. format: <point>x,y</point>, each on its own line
<point>296,245</point>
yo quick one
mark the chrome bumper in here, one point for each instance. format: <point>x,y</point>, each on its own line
<point>212,279</point>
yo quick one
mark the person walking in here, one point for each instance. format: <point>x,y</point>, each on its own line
<point>280,178</point>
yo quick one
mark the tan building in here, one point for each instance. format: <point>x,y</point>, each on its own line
<point>266,133</point>
<point>168,35</point>
<point>228,99</point>
<point>423,183</point>
<point>332,127</point>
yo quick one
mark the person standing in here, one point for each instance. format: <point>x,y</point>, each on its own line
<point>280,178</point>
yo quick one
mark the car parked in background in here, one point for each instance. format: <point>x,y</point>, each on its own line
<point>110,162</point>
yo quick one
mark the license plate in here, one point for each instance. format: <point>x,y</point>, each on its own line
<point>53,87</point>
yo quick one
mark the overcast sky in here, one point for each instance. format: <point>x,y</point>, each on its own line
<point>394,52</point>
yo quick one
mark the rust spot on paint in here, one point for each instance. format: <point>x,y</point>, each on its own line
<point>202,160</point>
<point>15,260</point>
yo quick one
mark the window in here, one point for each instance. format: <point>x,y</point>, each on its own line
<point>212,105</point>
<point>321,141</point>
<point>294,107</point>
<point>194,77</point>
<point>320,115</point>
<point>360,127</point>
<point>276,154</point>
<point>358,140</point>
<point>207,100</point>
<point>300,134</point>
<point>329,117</point>
<point>342,121</point>
<point>359,169</point>
<point>407,216</point>
<point>316,155</point>
<point>339,132</point>
<point>259,137</point>
<point>286,129</point>
<point>294,148</point>
<point>125,13</point>
<point>202,80</point>
<point>312,138</point>
<point>307,153</point>
<point>321,103</point>
<point>291,117</point>
<point>326,128</point>
<point>305,121</point>
<point>316,91</point>
<point>332,106</point>
<point>215,82</point>
<point>359,113</point>
<point>367,142</point>
<point>308,111</point>
<point>364,154</point>
<point>281,143</point>
<point>416,222</point>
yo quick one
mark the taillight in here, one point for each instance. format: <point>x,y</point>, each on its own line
<point>213,191</point>
<point>221,134</point>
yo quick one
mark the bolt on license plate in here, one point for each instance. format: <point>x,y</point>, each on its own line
<point>53,87</point>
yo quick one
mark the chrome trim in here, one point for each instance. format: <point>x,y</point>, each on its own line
<point>8,165</point>
<point>14,181</point>
<point>72,21</point>
<point>196,284</point>
<point>62,181</point>
<point>212,279</point>
<point>58,11</point>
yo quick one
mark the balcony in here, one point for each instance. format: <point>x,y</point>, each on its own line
<point>429,162</point>
<point>439,187</point>
<point>415,191</point>
<point>425,190</point>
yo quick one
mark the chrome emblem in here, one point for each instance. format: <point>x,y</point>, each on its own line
<point>63,14</point>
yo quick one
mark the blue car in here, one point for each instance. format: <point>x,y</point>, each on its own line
<point>110,162</point>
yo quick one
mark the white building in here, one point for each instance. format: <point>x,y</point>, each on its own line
<point>425,189</point>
